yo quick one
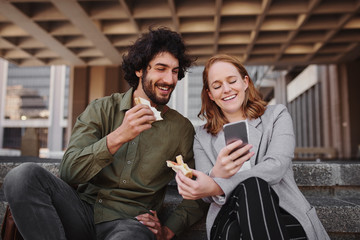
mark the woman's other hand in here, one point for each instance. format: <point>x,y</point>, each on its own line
<point>229,161</point>
<point>203,186</point>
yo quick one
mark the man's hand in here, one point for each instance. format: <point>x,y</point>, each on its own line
<point>136,120</point>
<point>153,223</point>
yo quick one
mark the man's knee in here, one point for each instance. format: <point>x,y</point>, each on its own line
<point>18,177</point>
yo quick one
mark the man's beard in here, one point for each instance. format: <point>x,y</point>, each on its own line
<point>151,93</point>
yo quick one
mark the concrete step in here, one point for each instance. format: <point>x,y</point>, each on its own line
<point>327,173</point>
<point>333,187</point>
<point>307,174</point>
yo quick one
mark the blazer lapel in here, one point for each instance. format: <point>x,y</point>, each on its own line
<point>255,135</point>
<point>218,143</point>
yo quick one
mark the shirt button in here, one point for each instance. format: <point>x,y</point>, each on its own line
<point>132,143</point>
<point>128,162</point>
<point>100,200</point>
<point>124,181</point>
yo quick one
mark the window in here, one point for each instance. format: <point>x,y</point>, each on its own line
<point>29,96</point>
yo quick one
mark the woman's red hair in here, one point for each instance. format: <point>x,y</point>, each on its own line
<point>253,105</point>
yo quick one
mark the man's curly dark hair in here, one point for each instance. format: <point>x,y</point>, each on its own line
<point>148,46</point>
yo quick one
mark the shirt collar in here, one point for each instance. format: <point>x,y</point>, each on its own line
<point>126,102</point>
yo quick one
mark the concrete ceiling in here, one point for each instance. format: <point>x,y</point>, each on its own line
<point>281,33</point>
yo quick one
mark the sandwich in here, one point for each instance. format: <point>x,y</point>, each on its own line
<point>179,165</point>
<point>139,100</point>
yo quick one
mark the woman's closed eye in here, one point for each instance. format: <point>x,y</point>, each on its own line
<point>216,86</point>
<point>232,80</point>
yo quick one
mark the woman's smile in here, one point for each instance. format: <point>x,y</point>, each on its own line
<point>229,97</point>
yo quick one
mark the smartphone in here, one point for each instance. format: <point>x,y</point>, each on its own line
<point>235,131</point>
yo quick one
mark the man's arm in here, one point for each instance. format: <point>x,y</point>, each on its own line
<point>137,120</point>
<point>93,141</point>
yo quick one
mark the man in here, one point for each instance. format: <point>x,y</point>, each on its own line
<point>116,157</point>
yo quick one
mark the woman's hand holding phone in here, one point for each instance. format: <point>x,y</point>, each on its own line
<point>230,160</point>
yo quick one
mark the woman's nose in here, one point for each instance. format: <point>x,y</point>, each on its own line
<point>226,87</point>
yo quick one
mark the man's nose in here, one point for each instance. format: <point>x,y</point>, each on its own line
<point>169,77</point>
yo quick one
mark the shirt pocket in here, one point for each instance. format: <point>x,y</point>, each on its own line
<point>156,145</point>
<point>152,166</point>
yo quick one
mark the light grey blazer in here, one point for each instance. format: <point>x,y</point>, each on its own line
<point>273,141</point>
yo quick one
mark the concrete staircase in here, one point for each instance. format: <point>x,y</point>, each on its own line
<point>333,187</point>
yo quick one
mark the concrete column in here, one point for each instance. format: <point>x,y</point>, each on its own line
<point>326,106</point>
<point>345,111</point>
<point>280,89</point>
<point>352,100</point>
<point>105,80</point>
<point>113,80</point>
<point>57,85</point>
<point>3,80</point>
<point>335,114</point>
<point>97,81</point>
<point>179,98</point>
<point>78,95</point>
<point>89,83</point>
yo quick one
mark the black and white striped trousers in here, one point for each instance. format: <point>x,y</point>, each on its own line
<point>253,212</point>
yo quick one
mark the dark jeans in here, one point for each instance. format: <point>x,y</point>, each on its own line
<point>45,207</point>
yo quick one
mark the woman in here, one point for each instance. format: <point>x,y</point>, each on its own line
<point>263,200</point>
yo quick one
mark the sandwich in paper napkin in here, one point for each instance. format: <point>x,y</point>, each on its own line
<point>139,100</point>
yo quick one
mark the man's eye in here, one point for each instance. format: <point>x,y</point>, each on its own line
<point>161,69</point>
<point>175,71</point>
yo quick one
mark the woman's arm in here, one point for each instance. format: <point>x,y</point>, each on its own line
<point>275,152</point>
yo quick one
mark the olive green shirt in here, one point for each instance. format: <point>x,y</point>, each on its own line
<point>134,179</point>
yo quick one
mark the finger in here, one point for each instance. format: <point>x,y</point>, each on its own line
<point>150,224</point>
<point>232,146</point>
<point>154,231</point>
<point>241,152</point>
<point>196,173</point>
<point>155,217</point>
<point>177,178</point>
<point>138,111</point>
<point>184,179</point>
<point>143,115</point>
<point>147,218</point>
<point>244,158</point>
<point>186,189</point>
<point>154,214</point>
<point>144,217</point>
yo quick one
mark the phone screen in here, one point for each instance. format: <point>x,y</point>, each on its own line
<point>235,131</point>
